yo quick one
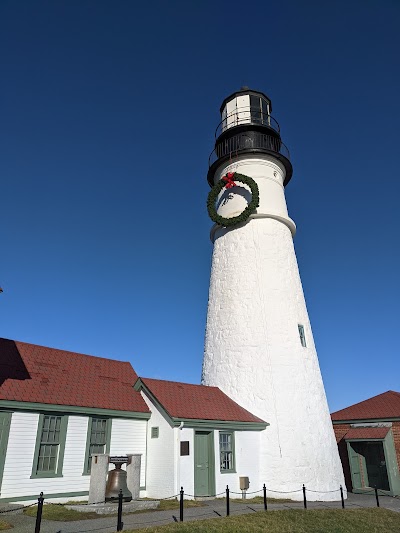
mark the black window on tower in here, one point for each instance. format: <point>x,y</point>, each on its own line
<point>259,110</point>
<point>265,113</point>
<point>255,109</point>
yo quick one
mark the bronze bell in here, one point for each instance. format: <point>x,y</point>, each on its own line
<point>116,481</point>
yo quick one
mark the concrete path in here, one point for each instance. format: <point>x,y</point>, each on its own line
<point>211,509</point>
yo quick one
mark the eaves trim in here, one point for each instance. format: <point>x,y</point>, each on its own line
<point>220,424</point>
<point>360,420</point>
<point>71,409</point>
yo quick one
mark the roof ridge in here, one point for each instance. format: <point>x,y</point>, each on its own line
<point>181,383</point>
<point>67,351</point>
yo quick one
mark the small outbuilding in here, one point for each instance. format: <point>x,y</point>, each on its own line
<point>198,438</point>
<point>368,437</point>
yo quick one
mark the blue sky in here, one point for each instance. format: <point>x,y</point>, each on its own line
<point>108,111</point>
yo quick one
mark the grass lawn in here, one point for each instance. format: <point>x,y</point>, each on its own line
<point>61,514</point>
<point>4,525</point>
<point>166,505</point>
<point>291,521</point>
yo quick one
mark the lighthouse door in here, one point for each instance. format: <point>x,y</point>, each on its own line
<point>204,478</point>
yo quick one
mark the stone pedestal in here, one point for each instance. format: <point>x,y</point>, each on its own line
<point>133,474</point>
<point>98,478</point>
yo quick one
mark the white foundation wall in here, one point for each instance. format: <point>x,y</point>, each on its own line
<point>247,462</point>
<point>253,350</point>
<point>17,480</point>
<point>129,436</point>
<point>161,452</point>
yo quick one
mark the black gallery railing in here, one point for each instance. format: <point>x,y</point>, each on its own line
<point>248,141</point>
<point>247,115</point>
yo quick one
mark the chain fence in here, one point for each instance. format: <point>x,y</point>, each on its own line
<point>226,495</point>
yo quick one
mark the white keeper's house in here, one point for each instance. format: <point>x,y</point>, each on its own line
<point>58,407</point>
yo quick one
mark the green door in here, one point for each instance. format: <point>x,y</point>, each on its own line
<point>355,467</point>
<point>204,478</point>
<point>5,420</point>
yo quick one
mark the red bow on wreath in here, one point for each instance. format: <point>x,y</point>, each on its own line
<point>229,180</point>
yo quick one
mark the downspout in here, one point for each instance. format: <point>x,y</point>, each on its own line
<point>178,458</point>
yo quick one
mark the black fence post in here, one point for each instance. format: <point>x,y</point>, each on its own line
<point>304,497</point>
<point>39,513</point>
<point>120,524</point>
<point>181,493</point>
<point>227,500</point>
<point>265,497</point>
<point>377,497</point>
<point>341,496</point>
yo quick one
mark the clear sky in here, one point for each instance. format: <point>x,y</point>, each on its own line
<point>107,118</point>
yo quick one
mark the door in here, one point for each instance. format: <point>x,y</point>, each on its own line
<point>355,466</point>
<point>204,479</point>
<point>368,465</point>
<point>376,465</point>
<point>5,420</point>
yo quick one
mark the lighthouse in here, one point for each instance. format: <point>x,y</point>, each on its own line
<point>259,347</point>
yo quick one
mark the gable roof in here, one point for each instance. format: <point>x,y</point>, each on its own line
<point>30,373</point>
<point>197,402</point>
<point>385,405</point>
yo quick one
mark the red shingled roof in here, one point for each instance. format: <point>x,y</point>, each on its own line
<point>367,433</point>
<point>30,373</point>
<point>183,400</point>
<point>385,405</point>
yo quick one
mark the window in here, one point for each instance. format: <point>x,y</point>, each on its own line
<point>154,432</point>
<point>185,447</point>
<point>255,109</point>
<point>226,452</point>
<point>259,110</point>
<point>302,335</point>
<point>50,444</point>
<point>98,439</point>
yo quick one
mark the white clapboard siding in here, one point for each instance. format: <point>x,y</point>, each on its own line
<point>160,454</point>
<point>74,456</point>
<point>19,459</point>
<point>129,436</point>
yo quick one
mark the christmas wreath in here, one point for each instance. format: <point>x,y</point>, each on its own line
<point>228,182</point>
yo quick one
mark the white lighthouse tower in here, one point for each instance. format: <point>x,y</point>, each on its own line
<point>259,347</point>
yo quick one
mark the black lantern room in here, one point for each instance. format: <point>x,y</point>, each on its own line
<point>247,127</point>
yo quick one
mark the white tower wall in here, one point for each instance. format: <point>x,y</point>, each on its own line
<point>253,350</point>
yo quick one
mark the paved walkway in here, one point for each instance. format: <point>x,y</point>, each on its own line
<point>211,509</point>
